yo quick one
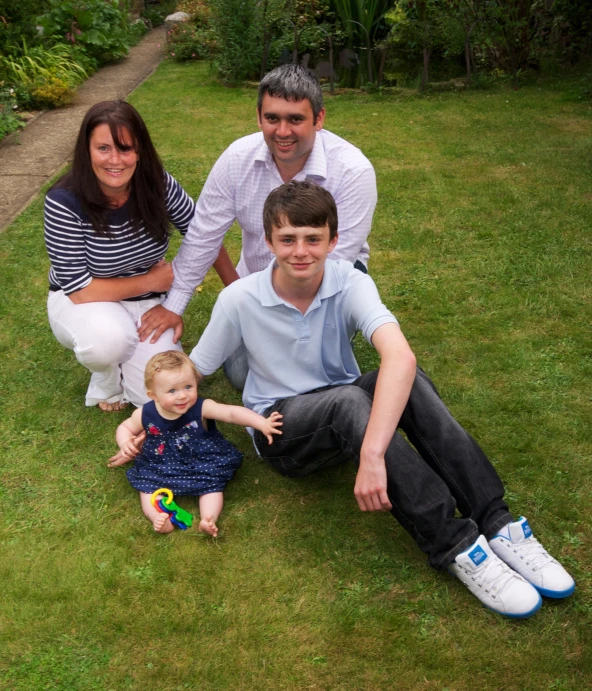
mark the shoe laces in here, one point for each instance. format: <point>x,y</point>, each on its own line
<point>532,552</point>
<point>494,576</point>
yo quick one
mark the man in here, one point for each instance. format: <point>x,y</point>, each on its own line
<point>296,319</point>
<point>292,144</point>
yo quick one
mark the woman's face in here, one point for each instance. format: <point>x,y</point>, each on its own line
<point>113,167</point>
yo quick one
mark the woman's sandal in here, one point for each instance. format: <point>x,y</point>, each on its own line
<point>112,407</point>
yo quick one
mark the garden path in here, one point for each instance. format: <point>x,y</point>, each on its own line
<point>28,159</point>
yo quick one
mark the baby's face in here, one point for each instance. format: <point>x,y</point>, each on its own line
<point>174,391</point>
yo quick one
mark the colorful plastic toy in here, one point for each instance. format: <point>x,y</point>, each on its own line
<point>179,517</point>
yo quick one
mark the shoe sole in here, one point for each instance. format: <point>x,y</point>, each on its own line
<point>556,594</point>
<point>524,615</point>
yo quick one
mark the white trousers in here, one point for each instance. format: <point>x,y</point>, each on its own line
<point>104,338</point>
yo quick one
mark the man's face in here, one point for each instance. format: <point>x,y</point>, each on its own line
<point>289,130</point>
<point>301,252</point>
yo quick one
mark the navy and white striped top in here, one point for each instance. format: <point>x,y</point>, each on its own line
<point>78,254</point>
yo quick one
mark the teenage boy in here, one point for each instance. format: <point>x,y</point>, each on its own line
<point>296,319</point>
<point>292,144</point>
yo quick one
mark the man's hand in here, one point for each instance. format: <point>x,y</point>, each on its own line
<point>370,489</point>
<point>158,320</point>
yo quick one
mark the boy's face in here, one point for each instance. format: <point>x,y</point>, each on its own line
<point>301,252</point>
<point>175,391</point>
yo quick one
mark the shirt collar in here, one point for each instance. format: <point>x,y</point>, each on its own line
<point>316,163</point>
<point>263,153</point>
<point>330,285</point>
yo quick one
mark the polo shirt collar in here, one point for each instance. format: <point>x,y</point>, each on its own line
<point>316,163</point>
<point>330,285</point>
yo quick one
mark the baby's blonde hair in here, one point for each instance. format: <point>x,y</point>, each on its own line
<point>165,362</point>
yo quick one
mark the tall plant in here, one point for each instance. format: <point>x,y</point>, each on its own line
<point>468,13</point>
<point>361,19</point>
<point>418,25</point>
<point>238,28</point>
<point>366,13</point>
<point>508,33</point>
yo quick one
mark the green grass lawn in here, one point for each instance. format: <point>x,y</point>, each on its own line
<point>481,247</point>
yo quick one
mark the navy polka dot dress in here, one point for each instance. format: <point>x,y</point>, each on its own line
<point>182,456</point>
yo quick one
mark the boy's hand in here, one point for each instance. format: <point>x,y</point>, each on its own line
<point>271,425</point>
<point>370,488</point>
<point>128,451</point>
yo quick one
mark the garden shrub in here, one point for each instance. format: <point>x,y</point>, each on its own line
<point>198,10</point>
<point>18,22</point>
<point>238,30</point>
<point>100,27</point>
<point>157,12</point>
<point>189,42</point>
<point>46,77</point>
<point>54,93</point>
<point>9,120</point>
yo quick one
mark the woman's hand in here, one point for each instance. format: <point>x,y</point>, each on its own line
<point>160,277</point>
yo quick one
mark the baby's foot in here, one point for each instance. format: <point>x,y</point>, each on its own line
<point>162,524</point>
<point>208,525</point>
<point>112,407</point>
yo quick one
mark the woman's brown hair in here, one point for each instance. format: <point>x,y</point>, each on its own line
<point>148,185</point>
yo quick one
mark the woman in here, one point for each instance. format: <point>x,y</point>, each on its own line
<point>106,233</point>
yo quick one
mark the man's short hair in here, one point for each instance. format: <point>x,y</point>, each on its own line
<point>167,361</point>
<point>294,83</point>
<point>301,203</point>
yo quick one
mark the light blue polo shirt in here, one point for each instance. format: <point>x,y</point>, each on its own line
<point>288,352</point>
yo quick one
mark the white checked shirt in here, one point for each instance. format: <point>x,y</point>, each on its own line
<point>237,188</point>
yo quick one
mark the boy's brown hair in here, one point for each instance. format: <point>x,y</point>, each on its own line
<point>301,203</point>
<point>165,362</point>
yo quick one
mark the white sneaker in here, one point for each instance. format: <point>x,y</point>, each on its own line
<point>525,554</point>
<point>494,583</point>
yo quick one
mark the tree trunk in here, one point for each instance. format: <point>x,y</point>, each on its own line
<point>265,54</point>
<point>424,75</point>
<point>295,53</point>
<point>468,58</point>
<point>381,66</point>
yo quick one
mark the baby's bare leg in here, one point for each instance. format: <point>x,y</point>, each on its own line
<point>160,521</point>
<point>210,507</point>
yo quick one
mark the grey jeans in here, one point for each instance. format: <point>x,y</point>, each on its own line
<point>446,469</point>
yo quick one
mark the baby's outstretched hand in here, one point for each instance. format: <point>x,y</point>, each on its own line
<point>271,426</point>
<point>128,451</point>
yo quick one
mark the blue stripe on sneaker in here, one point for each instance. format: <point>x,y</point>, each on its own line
<point>556,594</point>
<point>534,610</point>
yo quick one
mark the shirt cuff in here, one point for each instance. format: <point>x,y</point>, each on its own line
<point>176,301</point>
